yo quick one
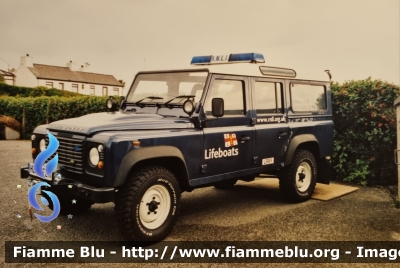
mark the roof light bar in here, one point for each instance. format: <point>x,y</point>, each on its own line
<point>231,58</point>
<point>275,71</point>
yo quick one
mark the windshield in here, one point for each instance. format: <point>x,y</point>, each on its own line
<point>164,87</point>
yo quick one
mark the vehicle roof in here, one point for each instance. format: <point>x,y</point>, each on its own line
<point>250,69</point>
<point>244,69</point>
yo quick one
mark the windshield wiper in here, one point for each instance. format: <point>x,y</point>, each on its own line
<point>179,97</point>
<point>150,97</point>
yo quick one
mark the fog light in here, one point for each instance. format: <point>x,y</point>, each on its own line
<point>188,107</point>
<point>100,165</point>
<point>111,103</point>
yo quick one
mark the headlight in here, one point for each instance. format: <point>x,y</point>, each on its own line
<point>94,156</point>
<point>42,145</point>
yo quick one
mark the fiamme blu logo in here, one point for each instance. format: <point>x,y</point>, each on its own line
<point>45,170</point>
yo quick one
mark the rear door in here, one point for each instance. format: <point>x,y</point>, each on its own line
<point>271,125</point>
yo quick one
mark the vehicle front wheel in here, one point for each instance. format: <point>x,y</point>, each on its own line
<point>297,181</point>
<point>147,205</point>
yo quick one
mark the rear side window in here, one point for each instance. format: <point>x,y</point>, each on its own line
<point>308,98</point>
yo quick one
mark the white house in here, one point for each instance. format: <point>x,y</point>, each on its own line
<point>69,78</point>
<point>9,77</point>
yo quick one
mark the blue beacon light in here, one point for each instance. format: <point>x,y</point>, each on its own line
<point>201,60</point>
<point>232,58</point>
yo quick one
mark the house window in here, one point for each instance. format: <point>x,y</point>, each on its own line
<point>49,84</point>
<point>92,90</point>
<point>116,91</point>
<point>62,86</point>
<point>75,88</point>
<point>105,91</point>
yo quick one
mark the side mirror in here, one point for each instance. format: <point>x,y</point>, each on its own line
<point>217,107</point>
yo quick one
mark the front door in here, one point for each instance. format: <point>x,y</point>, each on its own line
<point>228,140</point>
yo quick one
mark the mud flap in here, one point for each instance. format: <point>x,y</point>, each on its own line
<point>325,171</point>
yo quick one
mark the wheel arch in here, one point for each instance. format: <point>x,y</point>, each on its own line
<point>304,141</point>
<point>166,156</point>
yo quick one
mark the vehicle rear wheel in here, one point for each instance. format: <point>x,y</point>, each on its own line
<point>147,205</point>
<point>226,184</point>
<point>297,181</point>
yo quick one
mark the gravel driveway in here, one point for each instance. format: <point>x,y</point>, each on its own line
<point>245,213</point>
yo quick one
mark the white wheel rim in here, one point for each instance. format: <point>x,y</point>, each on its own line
<point>303,176</point>
<point>154,206</point>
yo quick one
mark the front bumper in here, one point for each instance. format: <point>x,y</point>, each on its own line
<point>66,186</point>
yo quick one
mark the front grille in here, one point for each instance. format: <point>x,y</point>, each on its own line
<point>70,153</point>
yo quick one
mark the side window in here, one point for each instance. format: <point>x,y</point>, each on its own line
<point>308,98</point>
<point>232,91</point>
<point>268,97</point>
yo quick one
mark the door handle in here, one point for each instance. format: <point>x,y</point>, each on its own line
<point>282,134</point>
<point>244,138</point>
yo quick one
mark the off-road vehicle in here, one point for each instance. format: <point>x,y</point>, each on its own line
<point>225,118</point>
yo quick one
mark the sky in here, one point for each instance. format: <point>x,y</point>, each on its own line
<point>354,39</point>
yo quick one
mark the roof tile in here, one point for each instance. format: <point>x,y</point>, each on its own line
<point>64,73</point>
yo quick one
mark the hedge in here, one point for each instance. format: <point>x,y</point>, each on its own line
<point>363,114</point>
<point>365,131</point>
<point>15,91</point>
<point>42,110</point>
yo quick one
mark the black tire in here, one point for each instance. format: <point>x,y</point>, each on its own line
<point>147,205</point>
<point>297,181</point>
<point>67,207</point>
<point>225,184</point>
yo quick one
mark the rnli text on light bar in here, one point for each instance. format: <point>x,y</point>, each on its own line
<point>232,58</point>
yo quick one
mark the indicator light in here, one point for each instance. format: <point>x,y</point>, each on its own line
<point>136,143</point>
<point>100,165</point>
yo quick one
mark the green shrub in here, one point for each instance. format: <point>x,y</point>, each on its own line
<point>42,110</point>
<point>365,131</point>
<point>15,91</point>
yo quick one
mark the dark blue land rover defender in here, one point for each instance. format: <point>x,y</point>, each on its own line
<point>225,118</point>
